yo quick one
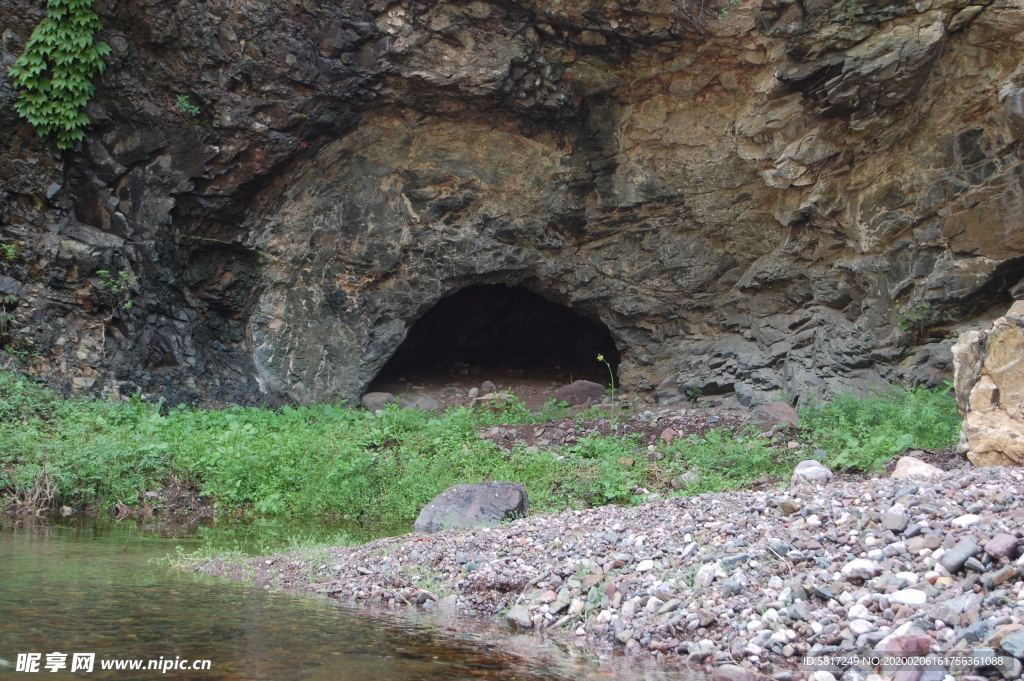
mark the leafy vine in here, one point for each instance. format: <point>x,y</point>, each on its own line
<point>55,71</point>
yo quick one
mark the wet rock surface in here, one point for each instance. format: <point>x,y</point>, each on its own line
<point>780,198</point>
<point>745,579</point>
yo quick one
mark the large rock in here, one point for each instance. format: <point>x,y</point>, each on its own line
<point>732,672</point>
<point>953,559</point>
<point>990,391</point>
<point>912,467</point>
<point>811,472</point>
<point>765,416</point>
<point>420,403</point>
<point>580,392</point>
<point>378,400</point>
<point>472,506</point>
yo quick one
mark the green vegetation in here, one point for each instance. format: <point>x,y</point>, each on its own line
<point>721,460</point>
<point>8,254</point>
<point>864,433</point>
<point>186,106</point>
<point>7,304</point>
<point>120,285</point>
<point>912,320</point>
<point>54,74</point>
<point>331,460</point>
<point>305,460</point>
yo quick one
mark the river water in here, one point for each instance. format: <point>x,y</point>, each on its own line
<point>99,587</point>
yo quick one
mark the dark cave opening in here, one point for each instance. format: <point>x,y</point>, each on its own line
<point>486,329</point>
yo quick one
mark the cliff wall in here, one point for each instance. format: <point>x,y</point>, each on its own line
<point>796,195</point>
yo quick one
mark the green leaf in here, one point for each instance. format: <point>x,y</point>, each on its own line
<point>55,72</point>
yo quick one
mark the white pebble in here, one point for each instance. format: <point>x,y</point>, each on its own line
<point>909,597</point>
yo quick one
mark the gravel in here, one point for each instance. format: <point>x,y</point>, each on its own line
<point>742,582</point>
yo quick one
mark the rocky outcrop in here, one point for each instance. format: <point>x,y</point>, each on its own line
<point>990,391</point>
<point>473,506</point>
<point>779,197</point>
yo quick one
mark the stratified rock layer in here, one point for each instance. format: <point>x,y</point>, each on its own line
<point>990,391</point>
<point>780,198</point>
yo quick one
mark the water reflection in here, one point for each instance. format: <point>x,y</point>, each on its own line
<point>92,587</point>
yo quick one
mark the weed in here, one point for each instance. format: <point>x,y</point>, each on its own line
<point>725,11</point>
<point>693,393</point>
<point>912,320</point>
<point>553,410</point>
<point>611,377</point>
<point>864,433</point>
<point>8,253</point>
<point>120,284</point>
<point>725,461</point>
<point>186,106</point>
<point>7,305</point>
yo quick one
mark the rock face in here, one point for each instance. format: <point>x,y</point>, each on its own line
<point>472,506</point>
<point>783,199</point>
<point>990,391</point>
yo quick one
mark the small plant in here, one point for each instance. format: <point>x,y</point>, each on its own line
<point>54,74</point>
<point>724,11</point>
<point>611,389</point>
<point>186,107</point>
<point>693,393</point>
<point>7,304</point>
<point>553,410</point>
<point>120,284</point>
<point>8,253</point>
<point>912,320</point>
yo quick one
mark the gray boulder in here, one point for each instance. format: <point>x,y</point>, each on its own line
<point>953,560</point>
<point>580,392</point>
<point>472,506</point>
<point>421,402</point>
<point>765,416</point>
<point>375,401</point>
<point>519,615</point>
<point>811,472</point>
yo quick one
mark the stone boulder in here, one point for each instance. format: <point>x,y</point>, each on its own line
<point>580,392</point>
<point>375,401</point>
<point>912,467</point>
<point>472,506</point>
<point>421,403</point>
<point>766,416</point>
<point>989,384</point>
<point>811,472</point>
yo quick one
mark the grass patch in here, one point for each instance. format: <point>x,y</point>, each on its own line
<point>318,460</point>
<point>720,460</point>
<point>328,460</point>
<point>866,432</point>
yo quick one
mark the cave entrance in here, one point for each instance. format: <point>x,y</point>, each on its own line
<point>503,334</point>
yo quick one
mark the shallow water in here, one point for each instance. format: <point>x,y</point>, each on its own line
<point>93,587</point>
